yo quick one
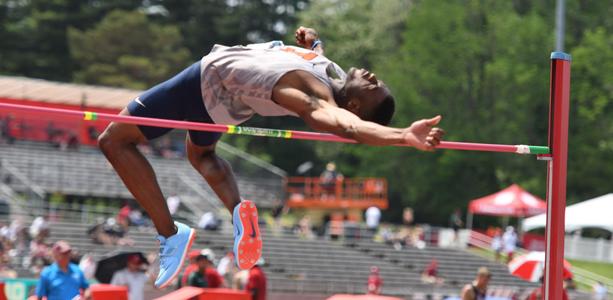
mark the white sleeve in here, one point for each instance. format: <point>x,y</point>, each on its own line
<point>117,279</point>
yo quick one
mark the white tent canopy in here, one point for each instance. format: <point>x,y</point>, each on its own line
<point>595,212</point>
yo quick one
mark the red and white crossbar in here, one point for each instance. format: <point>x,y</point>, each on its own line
<point>254,131</point>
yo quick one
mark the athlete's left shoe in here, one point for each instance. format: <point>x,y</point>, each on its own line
<point>247,237</point>
<point>173,251</point>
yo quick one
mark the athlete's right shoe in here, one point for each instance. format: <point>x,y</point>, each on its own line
<point>173,251</point>
<point>247,237</point>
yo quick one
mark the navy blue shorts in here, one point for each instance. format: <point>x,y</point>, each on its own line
<point>178,98</point>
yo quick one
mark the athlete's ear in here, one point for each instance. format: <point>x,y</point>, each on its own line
<point>353,105</point>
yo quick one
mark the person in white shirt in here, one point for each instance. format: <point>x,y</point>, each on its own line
<point>173,204</point>
<point>132,276</point>
<point>373,216</point>
<point>509,241</point>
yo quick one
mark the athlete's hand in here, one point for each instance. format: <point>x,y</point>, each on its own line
<point>305,37</point>
<point>423,135</point>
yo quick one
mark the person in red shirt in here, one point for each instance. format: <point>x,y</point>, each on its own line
<point>374,281</point>
<point>206,275</point>
<point>538,292</point>
<point>191,267</point>
<point>256,282</point>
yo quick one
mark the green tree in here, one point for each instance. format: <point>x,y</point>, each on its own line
<point>34,34</point>
<point>126,50</point>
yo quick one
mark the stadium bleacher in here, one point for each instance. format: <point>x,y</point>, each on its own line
<point>293,265</point>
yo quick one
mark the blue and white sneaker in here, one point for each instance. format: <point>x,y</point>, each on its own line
<point>172,254</point>
<point>247,237</point>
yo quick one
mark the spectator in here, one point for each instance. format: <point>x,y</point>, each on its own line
<point>133,276</point>
<point>5,130</point>
<point>123,216</point>
<point>497,243</point>
<point>225,268</point>
<point>373,216</point>
<point>455,222</point>
<point>87,264</point>
<point>600,291</point>
<point>92,134</point>
<point>375,283</point>
<point>39,254</point>
<point>206,275</point>
<point>191,267</point>
<point>329,178</point>
<point>430,273</point>
<point>537,292</point>
<point>304,228</point>
<point>256,281</point>
<point>62,279</point>
<point>136,218</point>
<point>173,203</point>
<point>39,227</point>
<point>208,221</point>
<point>336,227</point>
<point>477,290</point>
<point>509,242</point>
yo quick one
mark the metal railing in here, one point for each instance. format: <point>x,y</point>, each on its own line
<point>582,276</point>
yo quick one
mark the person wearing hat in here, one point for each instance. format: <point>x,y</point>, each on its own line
<point>477,290</point>
<point>133,276</point>
<point>62,279</point>
<point>206,275</point>
<point>191,267</point>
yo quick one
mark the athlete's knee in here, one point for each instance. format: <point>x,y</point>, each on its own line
<point>114,138</point>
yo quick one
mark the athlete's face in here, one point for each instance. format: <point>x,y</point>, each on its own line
<point>364,92</point>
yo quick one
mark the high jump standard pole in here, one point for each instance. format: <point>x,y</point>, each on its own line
<point>559,103</point>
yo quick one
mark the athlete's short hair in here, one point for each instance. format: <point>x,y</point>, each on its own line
<point>384,112</point>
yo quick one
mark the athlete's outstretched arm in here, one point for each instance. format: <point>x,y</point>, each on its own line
<point>320,115</point>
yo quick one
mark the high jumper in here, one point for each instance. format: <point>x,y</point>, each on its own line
<point>228,86</point>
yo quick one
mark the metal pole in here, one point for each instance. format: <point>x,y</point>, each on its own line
<point>560,14</point>
<point>556,173</point>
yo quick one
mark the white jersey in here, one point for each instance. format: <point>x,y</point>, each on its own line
<point>237,82</point>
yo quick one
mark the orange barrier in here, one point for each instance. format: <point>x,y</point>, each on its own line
<point>107,291</point>
<point>190,292</point>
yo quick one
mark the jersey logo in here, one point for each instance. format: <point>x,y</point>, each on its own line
<point>306,55</point>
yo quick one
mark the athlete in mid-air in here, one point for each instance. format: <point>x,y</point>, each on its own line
<point>229,86</point>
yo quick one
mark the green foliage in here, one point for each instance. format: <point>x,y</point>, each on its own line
<point>127,50</point>
<point>483,65</point>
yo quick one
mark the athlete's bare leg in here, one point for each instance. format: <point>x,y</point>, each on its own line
<point>216,171</point>
<point>118,143</point>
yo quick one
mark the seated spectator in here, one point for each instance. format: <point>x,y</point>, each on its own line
<point>206,275</point>
<point>226,267</point>
<point>123,216</point>
<point>192,266</point>
<point>304,228</point>
<point>208,221</point>
<point>375,283</point>
<point>430,274</point>
<point>173,202</point>
<point>136,218</point>
<point>134,277</point>
<point>40,254</point>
